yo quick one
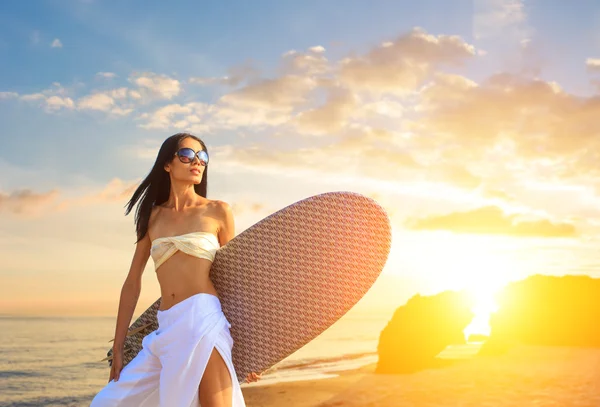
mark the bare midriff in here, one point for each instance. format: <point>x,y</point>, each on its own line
<point>182,276</point>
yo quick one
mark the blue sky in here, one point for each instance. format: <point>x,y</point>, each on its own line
<point>187,39</point>
<point>435,108</point>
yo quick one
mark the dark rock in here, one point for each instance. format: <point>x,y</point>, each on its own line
<point>421,329</point>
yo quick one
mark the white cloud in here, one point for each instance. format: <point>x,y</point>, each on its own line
<point>134,94</point>
<point>56,43</point>
<point>56,103</point>
<point>120,93</point>
<point>120,111</point>
<point>155,85</point>
<point>173,115</point>
<point>283,93</point>
<point>593,64</point>
<point>402,65</point>
<point>114,101</point>
<point>107,75</point>
<point>312,62</point>
<point>97,101</point>
<point>52,99</point>
<point>329,118</point>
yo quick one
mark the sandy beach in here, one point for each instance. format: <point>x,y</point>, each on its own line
<point>525,376</point>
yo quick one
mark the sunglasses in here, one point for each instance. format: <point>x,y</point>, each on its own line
<point>186,155</point>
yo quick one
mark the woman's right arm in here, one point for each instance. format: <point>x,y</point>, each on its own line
<point>129,298</point>
<point>130,292</point>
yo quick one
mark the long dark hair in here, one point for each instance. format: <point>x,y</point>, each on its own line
<point>155,188</point>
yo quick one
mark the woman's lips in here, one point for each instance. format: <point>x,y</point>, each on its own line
<point>197,172</point>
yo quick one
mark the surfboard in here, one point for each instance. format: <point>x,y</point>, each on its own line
<point>289,277</point>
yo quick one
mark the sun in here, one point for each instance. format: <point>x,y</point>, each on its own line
<point>482,272</point>
<point>481,265</point>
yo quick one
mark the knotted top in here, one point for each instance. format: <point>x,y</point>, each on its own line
<point>199,244</point>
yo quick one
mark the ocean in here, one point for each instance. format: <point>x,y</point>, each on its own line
<point>55,361</point>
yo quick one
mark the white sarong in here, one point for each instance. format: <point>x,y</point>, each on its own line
<point>168,369</point>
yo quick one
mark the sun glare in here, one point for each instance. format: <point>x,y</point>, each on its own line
<point>476,264</point>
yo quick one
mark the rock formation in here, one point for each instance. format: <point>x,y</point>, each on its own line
<point>421,329</point>
<point>546,310</point>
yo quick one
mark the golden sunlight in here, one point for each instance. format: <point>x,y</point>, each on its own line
<point>477,264</point>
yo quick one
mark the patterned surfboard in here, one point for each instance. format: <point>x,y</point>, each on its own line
<point>289,277</point>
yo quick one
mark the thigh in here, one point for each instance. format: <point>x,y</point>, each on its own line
<point>216,388</point>
<point>137,386</point>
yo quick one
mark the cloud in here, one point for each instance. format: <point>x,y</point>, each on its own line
<point>156,86</point>
<point>328,118</point>
<point>117,190</point>
<point>269,102</point>
<point>52,99</point>
<point>512,119</point>
<point>174,115</point>
<point>33,96</point>
<point>497,18</point>
<point>209,80</point>
<point>26,203</point>
<point>311,62</point>
<point>284,93</point>
<point>236,75</point>
<point>106,75</point>
<point>593,64</point>
<point>356,153</point>
<point>117,102</point>
<point>401,66</point>
<point>98,101</point>
<point>491,220</point>
<point>54,103</point>
<point>56,43</point>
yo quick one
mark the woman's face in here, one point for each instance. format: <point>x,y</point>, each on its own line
<point>186,172</point>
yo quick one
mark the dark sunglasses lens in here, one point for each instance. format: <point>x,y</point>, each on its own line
<point>186,155</point>
<point>203,156</point>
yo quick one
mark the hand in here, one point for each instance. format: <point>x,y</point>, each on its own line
<point>117,364</point>
<point>253,377</point>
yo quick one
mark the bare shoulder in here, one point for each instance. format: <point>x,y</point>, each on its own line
<point>153,217</point>
<point>223,211</point>
<point>221,206</point>
<point>224,214</point>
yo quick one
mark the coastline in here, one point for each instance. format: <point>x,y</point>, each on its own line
<point>525,375</point>
<point>299,393</point>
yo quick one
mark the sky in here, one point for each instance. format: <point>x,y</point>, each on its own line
<point>473,123</point>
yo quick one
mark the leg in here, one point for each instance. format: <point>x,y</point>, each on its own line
<point>138,385</point>
<point>215,389</point>
<point>188,362</point>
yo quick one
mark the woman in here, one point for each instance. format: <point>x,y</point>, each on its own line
<point>187,360</point>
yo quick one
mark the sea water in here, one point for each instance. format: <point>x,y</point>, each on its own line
<point>56,361</point>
